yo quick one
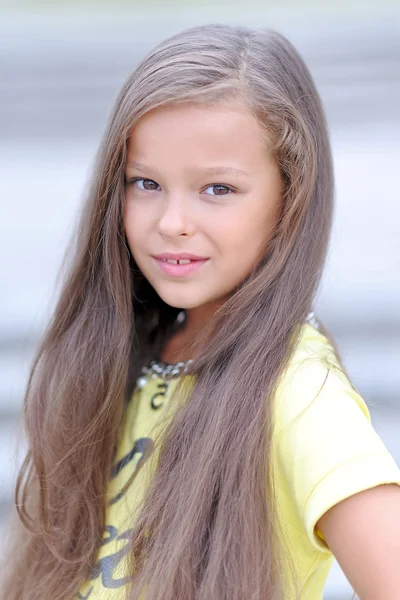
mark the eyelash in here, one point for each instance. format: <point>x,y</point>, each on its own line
<point>228,187</point>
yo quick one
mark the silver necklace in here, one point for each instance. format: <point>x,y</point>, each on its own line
<point>165,370</point>
<point>169,371</point>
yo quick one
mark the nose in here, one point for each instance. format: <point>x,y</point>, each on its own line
<point>175,218</point>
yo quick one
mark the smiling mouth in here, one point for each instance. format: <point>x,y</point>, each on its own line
<point>181,261</point>
<point>180,267</point>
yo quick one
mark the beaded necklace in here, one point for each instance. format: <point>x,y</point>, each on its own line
<point>170,371</point>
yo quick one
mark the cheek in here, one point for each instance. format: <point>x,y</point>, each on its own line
<point>245,239</point>
<point>127,219</point>
<point>129,223</point>
<point>249,231</point>
<point>131,220</point>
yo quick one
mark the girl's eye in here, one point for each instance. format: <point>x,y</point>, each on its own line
<point>149,185</point>
<point>144,184</point>
<point>219,189</point>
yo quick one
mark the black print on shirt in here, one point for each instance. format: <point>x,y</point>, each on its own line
<point>105,566</point>
<point>155,404</point>
<point>143,446</point>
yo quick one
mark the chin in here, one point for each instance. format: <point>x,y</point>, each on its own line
<point>179,300</point>
<point>180,303</point>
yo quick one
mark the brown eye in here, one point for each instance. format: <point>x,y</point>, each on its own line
<point>148,184</point>
<point>219,190</point>
<point>143,184</point>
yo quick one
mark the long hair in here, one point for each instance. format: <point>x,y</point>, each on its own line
<point>210,510</point>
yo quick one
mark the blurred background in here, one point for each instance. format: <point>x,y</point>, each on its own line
<point>61,67</point>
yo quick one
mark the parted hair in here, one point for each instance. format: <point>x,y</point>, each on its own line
<point>208,528</point>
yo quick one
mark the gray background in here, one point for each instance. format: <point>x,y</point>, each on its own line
<point>60,72</point>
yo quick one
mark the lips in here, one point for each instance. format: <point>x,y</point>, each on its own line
<point>182,261</point>
<point>179,256</point>
<point>175,268</point>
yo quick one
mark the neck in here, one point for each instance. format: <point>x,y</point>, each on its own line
<point>197,320</point>
<point>186,343</point>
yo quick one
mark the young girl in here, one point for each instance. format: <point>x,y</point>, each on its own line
<point>192,432</point>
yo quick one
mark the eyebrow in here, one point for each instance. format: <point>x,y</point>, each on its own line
<point>197,170</point>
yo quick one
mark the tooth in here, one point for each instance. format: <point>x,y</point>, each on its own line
<point>184,261</point>
<point>173,262</point>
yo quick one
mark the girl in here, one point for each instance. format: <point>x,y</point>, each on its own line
<point>192,432</point>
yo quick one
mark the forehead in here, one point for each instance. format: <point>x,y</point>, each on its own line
<point>198,132</point>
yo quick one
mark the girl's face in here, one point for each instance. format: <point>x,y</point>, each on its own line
<point>199,181</point>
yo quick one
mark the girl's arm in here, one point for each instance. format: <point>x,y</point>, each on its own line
<point>363,532</point>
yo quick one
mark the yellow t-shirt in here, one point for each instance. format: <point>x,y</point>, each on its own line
<point>324,449</point>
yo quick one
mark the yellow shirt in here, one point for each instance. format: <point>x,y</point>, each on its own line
<point>324,449</point>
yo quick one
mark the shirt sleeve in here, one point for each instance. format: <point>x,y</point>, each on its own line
<point>327,447</point>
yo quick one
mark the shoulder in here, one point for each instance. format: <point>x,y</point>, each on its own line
<point>326,448</point>
<point>314,371</point>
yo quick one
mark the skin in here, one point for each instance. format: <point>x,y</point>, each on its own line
<point>182,212</point>
<point>179,209</point>
<point>363,532</point>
